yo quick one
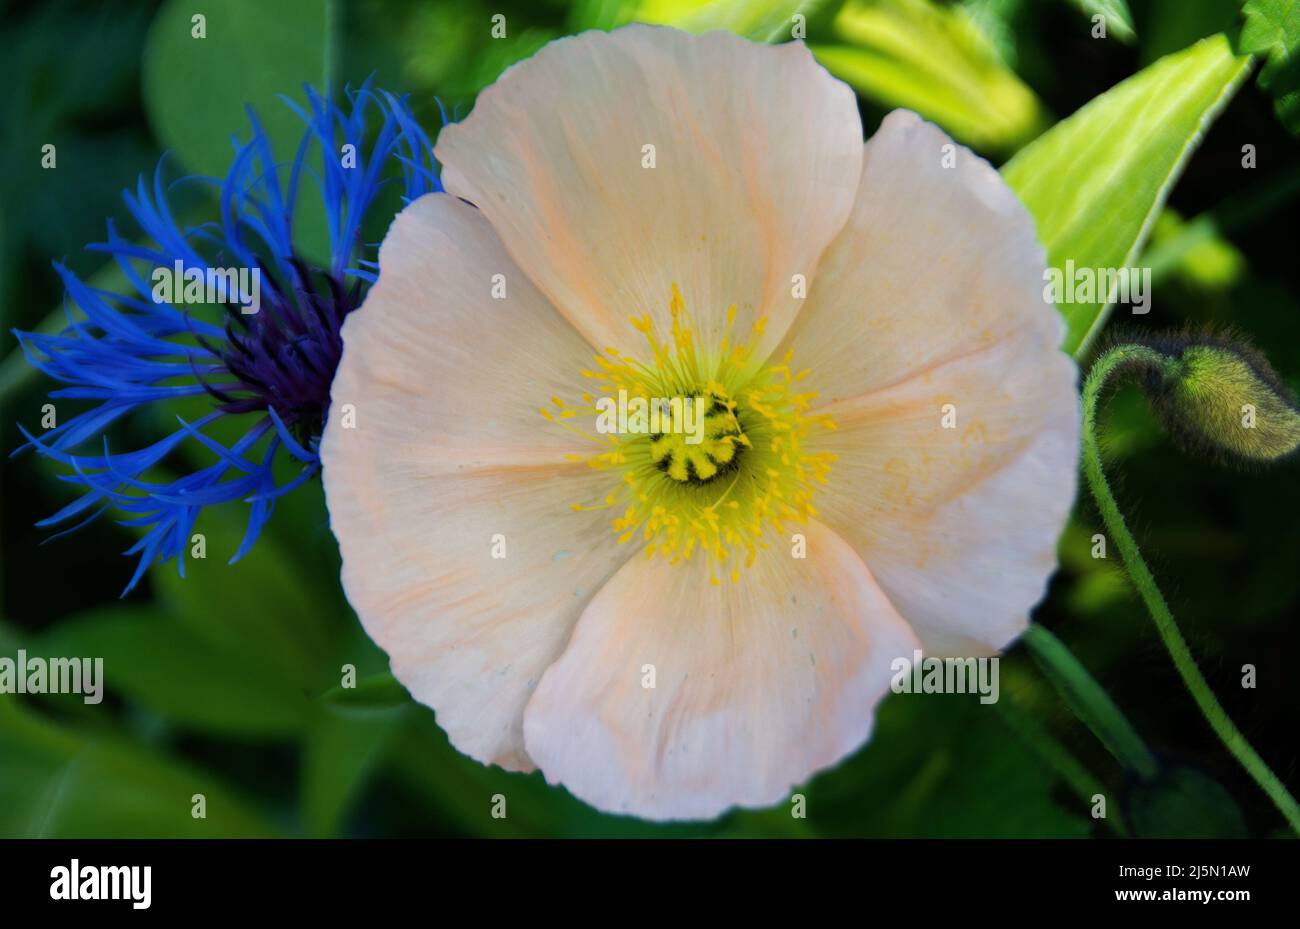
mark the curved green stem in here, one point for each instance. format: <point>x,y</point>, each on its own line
<point>1145,582</point>
<point>1090,703</point>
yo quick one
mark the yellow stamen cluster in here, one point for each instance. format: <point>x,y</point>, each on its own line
<point>749,474</point>
<point>717,452</point>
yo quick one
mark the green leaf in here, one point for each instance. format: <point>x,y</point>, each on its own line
<point>153,660</point>
<point>760,20</point>
<point>1096,181</point>
<point>378,692</point>
<point>461,791</point>
<point>1089,702</point>
<point>997,20</point>
<point>56,782</point>
<point>195,89</point>
<point>262,609</point>
<point>251,55</point>
<point>937,61</point>
<point>342,749</point>
<point>951,768</point>
<point>1119,21</point>
<point>1272,31</point>
<point>600,14</point>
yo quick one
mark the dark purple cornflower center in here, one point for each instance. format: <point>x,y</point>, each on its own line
<point>284,356</point>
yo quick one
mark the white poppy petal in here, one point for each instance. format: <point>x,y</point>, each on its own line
<point>756,150</point>
<point>934,263</point>
<point>958,416</point>
<point>455,350</point>
<point>966,573</point>
<point>450,464</point>
<point>757,685</point>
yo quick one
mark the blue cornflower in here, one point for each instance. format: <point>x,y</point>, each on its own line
<point>272,367</point>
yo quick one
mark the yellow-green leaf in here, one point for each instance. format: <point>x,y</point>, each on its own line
<point>1096,182</point>
<point>938,62</point>
<point>760,20</point>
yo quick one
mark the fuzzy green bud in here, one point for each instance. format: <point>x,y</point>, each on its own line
<point>1217,394</point>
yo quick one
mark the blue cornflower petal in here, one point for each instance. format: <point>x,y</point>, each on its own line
<point>130,351</point>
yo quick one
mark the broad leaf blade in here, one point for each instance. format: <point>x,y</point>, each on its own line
<point>195,89</point>
<point>251,54</point>
<point>937,61</point>
<point>194,684</point>
<point>58,782</point>
<point>378,693</point>
<point>262,609</point>
<point>1096,181</point>
<point>340,752</point>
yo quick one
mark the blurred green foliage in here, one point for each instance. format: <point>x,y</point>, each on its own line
<point>1273,32</point>
<point>227,683</point>
<point>1118,19</point>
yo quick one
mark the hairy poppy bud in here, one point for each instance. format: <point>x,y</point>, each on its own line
<point>1216,393</point>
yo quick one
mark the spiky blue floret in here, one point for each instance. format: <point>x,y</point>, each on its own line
<point>124,352</point>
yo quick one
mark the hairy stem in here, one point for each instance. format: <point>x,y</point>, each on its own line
<point>1145,582</point>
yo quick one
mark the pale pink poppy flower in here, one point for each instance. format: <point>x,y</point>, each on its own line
<point>702,214</point>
